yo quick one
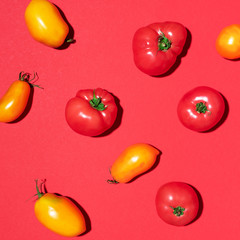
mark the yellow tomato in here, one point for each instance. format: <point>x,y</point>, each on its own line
<point>45,23</point>
<point>14,101</point>
<point>228,42</point>
<point>133,161</point>
<point>59,214</point>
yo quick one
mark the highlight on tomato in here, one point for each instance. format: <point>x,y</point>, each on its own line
<point>177,203</point>
<point>228,42</point>
<point>135,160</point>
<point>14,101</point>
<point>46,24</point>
<point>157,46</point>
<point>201,109</point>
<point>91,112</point>
<point>59,214</point>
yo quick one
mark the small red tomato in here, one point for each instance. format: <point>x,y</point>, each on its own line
<point>132,162</point>
<point>91,112</point>
<point>156,46</point>
<point>201,108</point>
<point>177,203</point>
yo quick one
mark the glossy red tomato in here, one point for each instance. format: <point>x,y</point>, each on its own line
<point>177,203</point>
<point>201,108</point>
<point>91,112</point>
<point>156,46</point>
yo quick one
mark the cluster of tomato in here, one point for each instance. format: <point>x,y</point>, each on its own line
<point>92,112</point>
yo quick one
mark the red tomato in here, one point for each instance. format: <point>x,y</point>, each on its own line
<point>177,203</point>
<point>156,46</point>
<point>91,112</point>
<point>201,108</point>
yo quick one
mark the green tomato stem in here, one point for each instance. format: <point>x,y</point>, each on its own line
<point>178,211</point>
<point>163,43</point>
<point>201,107</point>
<point>39,194</point>
<point>26,78</point>
<point>112,181</point>
<point>96,103</point>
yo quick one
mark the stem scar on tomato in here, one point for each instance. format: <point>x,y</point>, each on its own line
<point>202,108</point>
<point>178,211</point>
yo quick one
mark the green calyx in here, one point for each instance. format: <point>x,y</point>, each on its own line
<point>163,43</point>
<point>26,78</point>
<point>178,211</point>
<point>96,103</point>
<point>39,193</point>
<point>112,181</point>
<point>201,107</point>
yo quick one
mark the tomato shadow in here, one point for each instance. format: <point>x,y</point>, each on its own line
<point>224,117</point>
<point>118,120</point>
<point>70,33</point>
<point>200,210</point>
<point>151,169</point>
<point>85,215</point>
<point>28,107</point>
<point>180,56</point>
<point>233,60</point>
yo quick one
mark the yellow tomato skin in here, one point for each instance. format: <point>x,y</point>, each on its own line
<point>60,215</point>
<point>45,23</point>
<point>133,161</point>
<point>14,101</point>
<point>228,42</point>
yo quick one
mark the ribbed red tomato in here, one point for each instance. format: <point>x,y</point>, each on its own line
<point>91,112</point>
<point>157,46</point>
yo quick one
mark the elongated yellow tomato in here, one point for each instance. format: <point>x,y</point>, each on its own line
<point>15,100</point>
<point>133,161</point>
<point>59,214</point>
<point>45,23</point>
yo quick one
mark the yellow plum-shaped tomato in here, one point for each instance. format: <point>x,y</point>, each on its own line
<point>45,23</point>
<point>133,161</point>
<point>59,214</point>
<point>14,101</point>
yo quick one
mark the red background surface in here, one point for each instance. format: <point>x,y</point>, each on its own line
<point>43,146</point>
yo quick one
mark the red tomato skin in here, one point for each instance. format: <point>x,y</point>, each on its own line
<point>86,120</point>
<point>147,56</point>
<point>174,194</point>
<point>194,120</point>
